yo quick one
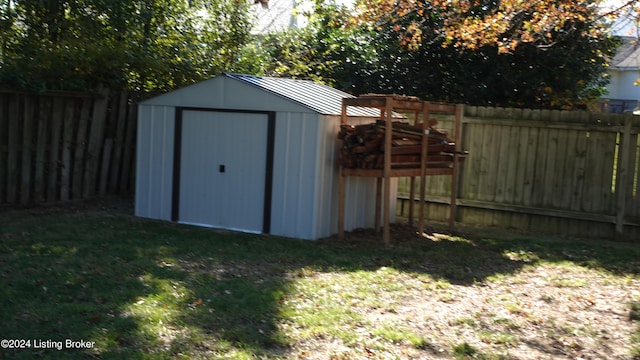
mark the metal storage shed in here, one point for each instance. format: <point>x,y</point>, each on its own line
<point>249,153</point>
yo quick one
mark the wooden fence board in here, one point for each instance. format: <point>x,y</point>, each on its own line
<point>119,122</point>
<point>568,164</point>
<point>57,120</point>
<point>579,170</point>
<point>633,203</point>
<point>503,177</point>
<point>520,135</point>
<point>94,145</point>
<point>4,124</point>
<point>540,167</point>
<point>27,150</point>
<point>13,151</point>
<point>104,170</point>
<point>45,140</point>
<point>512,151</point>
<point>67,143</point>
<point>470,186</point>
<point>561,172</point>
<point>485,162</point>
<point>529,165</point>
<point>551,186</point>
<point>80,148</point>
<point>601,164</point>
<point>42,144</point>
<point>126,181</point>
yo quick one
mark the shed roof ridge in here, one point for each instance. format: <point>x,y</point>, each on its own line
<point>310,101</point>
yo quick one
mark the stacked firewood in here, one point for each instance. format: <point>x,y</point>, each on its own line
<point>363,146</point>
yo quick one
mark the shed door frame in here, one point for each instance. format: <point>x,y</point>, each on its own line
<point>177,155</point>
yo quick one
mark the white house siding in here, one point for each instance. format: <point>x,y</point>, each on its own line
<point>154,177</point>
<point>621,86</point>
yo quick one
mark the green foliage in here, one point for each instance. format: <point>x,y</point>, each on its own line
<point>385,57</point>
<point>151,45</point>
<point>329,50</point>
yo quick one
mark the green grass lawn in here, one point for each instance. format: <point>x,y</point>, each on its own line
<point>134,288</point>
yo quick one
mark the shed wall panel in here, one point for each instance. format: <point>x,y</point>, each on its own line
<point>154,179</point>
<point>305,187</point>
<point>294,175</point>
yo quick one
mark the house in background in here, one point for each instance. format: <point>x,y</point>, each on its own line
<point>278,15</point>
<point>624,71</point>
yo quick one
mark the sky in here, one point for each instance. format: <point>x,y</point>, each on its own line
<point>626,25</point>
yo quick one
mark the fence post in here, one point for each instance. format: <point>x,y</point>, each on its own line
<point>621,177</point>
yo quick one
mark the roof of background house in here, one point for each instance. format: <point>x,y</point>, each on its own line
<point>628,55</point>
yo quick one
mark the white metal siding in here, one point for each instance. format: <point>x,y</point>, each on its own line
<point>154,161</point>
<point>294,176</point>
<point>305,188</point>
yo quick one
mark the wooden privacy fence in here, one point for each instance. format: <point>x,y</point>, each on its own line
<point>572,173</point>
<point>64,146</point>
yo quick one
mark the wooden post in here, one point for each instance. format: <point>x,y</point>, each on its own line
<point>622,178</point>
<point>412,180</point>
<point>423,166</point>
<point>341,181</point>
<point>412,194</point>
<point>378,203</point>
<point>387,168</point>
<point>456,163</point>
<point>341,186</point>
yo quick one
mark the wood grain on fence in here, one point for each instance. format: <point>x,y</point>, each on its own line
<point>572,173</point>
<point>65,146</point>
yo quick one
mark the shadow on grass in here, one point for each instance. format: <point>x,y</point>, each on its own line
<point>146,289</point>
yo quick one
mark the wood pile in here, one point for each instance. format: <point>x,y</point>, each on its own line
<point>363,146</point>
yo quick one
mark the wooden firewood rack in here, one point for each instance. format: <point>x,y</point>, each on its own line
<point>388,104</point>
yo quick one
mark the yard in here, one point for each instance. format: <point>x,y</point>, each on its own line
<point>89,280</point>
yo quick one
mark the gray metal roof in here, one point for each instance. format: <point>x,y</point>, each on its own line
<point>315,96</point>
<point>628,54</point>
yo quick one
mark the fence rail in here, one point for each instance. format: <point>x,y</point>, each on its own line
<point>63,146</point>
<point>573,173</point>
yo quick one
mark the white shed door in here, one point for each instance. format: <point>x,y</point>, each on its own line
<point>223,169</point>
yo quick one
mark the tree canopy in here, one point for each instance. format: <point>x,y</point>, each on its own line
<point>541,53</point>
<point>151,45</point>
<point>459,51</point>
